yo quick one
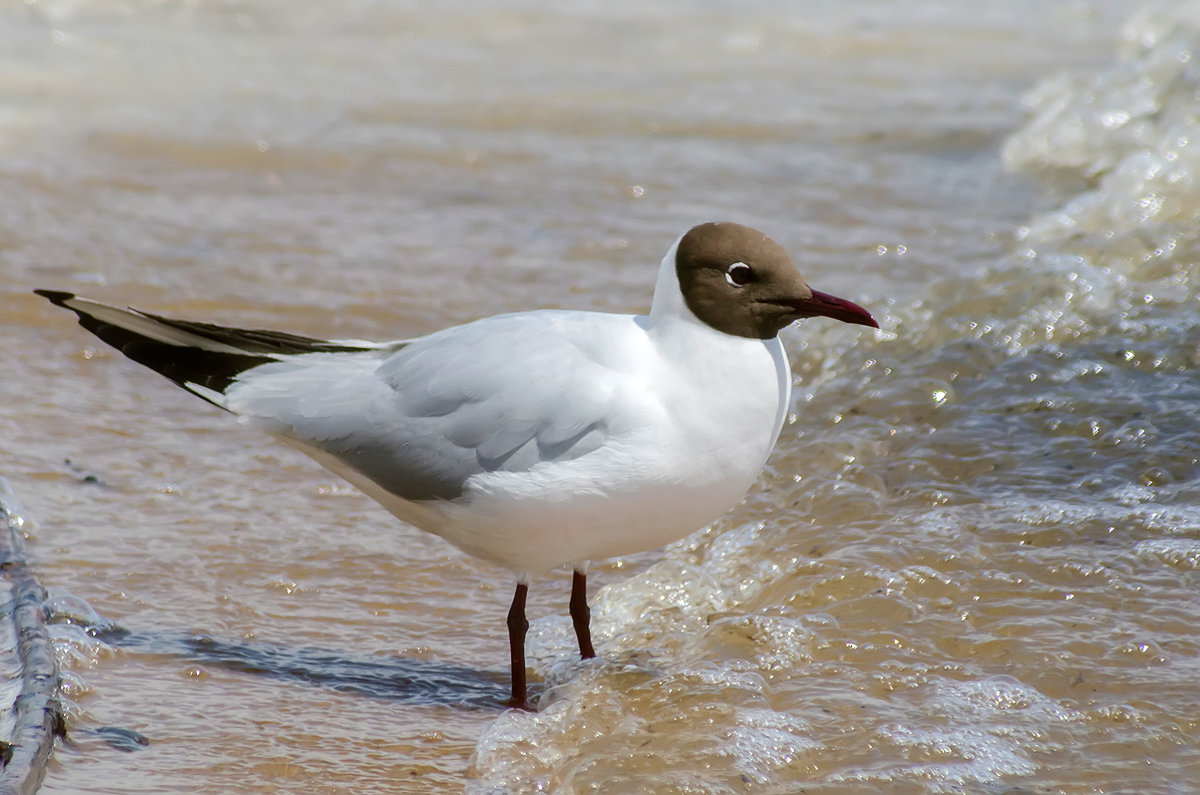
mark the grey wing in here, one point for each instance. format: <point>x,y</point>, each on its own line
<point>421,421</point>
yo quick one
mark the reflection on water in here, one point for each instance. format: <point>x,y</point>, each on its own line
<point>971,564</point>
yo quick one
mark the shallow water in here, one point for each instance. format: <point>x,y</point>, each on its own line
<point>972,563</point>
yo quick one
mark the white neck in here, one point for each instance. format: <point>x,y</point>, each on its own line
<point>668,297</point>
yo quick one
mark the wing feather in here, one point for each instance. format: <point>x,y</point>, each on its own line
<point>501,394</point>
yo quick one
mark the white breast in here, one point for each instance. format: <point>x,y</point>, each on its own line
<point>685,448</point>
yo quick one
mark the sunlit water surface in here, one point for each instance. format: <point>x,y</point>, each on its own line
<point>973,563</point>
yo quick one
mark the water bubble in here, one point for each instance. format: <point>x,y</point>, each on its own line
<point>1115,118</point>
<point>1136,433</point>
<point>63,607</point>
<point>1156,476</point>
<point>73,688</point>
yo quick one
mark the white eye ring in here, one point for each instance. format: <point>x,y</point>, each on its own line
<point>738,274</point>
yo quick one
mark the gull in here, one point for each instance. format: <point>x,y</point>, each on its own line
<point>532,440</point>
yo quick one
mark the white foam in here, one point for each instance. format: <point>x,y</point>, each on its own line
<point>1131,127</point>
<point>984,729</point>
<point>513,745</point>
<point>657,630</point>
<point>763,743</point>
<point>1179,553</point>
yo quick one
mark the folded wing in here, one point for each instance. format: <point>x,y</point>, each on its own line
<point>502,394</point>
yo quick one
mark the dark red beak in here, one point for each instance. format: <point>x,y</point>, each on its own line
<point>827,305</point>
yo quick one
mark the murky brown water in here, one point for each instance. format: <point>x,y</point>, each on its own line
<point>972,564</point>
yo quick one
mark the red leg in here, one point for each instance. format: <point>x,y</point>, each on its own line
<point>581,615</point>
<point>517,627</point>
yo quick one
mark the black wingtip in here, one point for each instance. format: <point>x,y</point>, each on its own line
<point>56,297</point>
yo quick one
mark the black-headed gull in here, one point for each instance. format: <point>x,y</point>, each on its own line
<point>534,439</point>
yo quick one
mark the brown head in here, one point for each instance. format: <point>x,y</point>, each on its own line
<point>741,282</point>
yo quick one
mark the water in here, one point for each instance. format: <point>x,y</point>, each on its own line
<point>972,563</point>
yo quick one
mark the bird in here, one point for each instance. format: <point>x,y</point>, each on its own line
<point>533,440</point>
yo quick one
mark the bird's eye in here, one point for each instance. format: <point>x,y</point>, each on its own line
<point>739,274</point>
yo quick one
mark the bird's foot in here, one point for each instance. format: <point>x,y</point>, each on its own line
<point>519,703</point>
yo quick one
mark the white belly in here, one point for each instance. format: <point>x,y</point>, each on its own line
<point>683,452</point>
<point>656,485</point>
